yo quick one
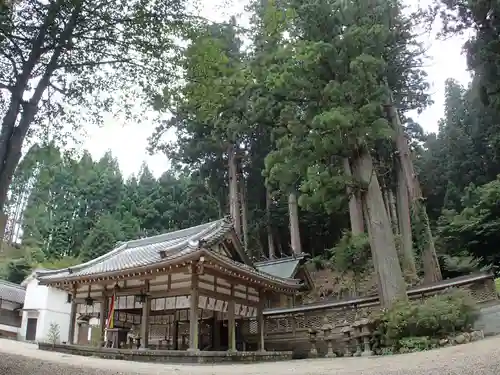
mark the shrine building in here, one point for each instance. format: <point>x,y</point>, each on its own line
<point>192,289</point>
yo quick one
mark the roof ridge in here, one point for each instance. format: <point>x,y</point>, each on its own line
<point>194,241</point>
<point>196,236</point>
<point>281,260</point>
<point>160,237</point>
<point>91,262</point>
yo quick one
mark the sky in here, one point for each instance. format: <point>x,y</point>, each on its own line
<point>128,141</point>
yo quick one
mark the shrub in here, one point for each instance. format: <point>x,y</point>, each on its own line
<point>53,334</point>
<point>436,317</point>
<point>416,344</point>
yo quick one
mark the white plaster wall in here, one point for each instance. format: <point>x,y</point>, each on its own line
<point>36,296</point>
<point>47,317</point>
<point>48,305</point>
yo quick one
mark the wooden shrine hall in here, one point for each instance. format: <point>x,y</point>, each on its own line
<point>190,289</point>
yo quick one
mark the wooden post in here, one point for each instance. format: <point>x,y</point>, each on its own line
<point>145,319</point>
<point>193,312</point>
<point>102,320</point>
<point>260,320</point>
<point>216,332</point>
<point>72,316</point>
<point>175,334</point>
<point>231,323</point>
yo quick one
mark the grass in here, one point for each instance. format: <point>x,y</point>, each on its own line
<point>497,284</point>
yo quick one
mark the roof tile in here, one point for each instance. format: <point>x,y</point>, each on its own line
<point>12,292</point>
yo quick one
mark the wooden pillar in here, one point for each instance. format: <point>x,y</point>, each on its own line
<point>193,313</point>
<point>216,328</point>
<point>102,320</point>
<point>231,323</point>
<point>175,330</point>
<point>145,319</point>
<point>260,320</point>
<point>72,316</point>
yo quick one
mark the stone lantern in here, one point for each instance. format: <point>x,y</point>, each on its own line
<point>328,337</point>
<point>312,339</point>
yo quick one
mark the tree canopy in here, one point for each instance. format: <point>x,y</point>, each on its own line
<point>297,126</point>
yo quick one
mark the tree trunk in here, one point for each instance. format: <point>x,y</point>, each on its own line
<point>12,133</point>
<point>394,212</point>
<point>234,202</point>
<point>270,238</point>
<point>385,256</point>
<point>244,215</point>
<point>432,271</point>
<point>372,246</point>
<point>404,220</point>
<point>385,195</point>
<point>293,211</point>
<point>355,207</point>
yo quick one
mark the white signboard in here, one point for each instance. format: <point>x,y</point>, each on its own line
<point>202,302</point>
<point>211,304</point>
<point>182,302</point>
<point>219,305</point>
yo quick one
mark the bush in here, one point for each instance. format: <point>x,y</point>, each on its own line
<point>436,317</point>
<point>53,334</point>
<point>416,344</point>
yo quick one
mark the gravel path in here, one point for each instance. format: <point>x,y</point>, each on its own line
<point>479,358</point>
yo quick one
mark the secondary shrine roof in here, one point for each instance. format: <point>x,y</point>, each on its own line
<point>282,267</point>
<point>159,250</point>
<point>12,292</point>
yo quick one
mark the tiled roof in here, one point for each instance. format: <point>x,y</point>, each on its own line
<point>283,280</point>
<point>146,251</point>
<point>283,267</point>
<point>12,292</point>
<point>162,248</point>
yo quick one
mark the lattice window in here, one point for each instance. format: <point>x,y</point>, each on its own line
<point>284,324</point>
<point>271,325</point>
<point>300,321</point>
<point>313,320</point>
<point>253,326</point>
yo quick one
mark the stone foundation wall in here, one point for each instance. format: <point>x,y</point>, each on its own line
<point>168,356</point>
<point>489,320</point>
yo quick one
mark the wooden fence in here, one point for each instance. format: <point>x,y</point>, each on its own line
<point>288,328</point>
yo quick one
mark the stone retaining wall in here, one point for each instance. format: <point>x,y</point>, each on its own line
<point>167,356</point>
<point>489,320</point>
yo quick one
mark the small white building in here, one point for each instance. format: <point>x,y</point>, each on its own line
<point>42,306</point>
<point>45,305</point>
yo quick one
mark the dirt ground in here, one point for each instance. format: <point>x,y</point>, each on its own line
<point>479,358</point>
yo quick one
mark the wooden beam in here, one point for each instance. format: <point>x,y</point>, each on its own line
<point>72,316</point>
<point>227,297</point>
<point>143,273</point>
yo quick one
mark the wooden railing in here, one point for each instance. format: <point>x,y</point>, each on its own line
<point>292,324</point>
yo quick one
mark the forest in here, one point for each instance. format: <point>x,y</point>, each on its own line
<point>297,127</point>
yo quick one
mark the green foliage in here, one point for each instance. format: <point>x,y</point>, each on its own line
<point>352,253</point>
<point>77,209</point>
<point>56,264</point>
<point>16,270</point>
<point>66,63</point>
<point>416,344</point>
<point>460,265</point>
<point>436,317</point>
<point>475,230</point>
